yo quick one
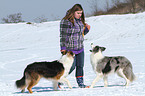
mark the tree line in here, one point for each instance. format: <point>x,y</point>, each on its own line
<point>128,6</point>
<point>17,18</point>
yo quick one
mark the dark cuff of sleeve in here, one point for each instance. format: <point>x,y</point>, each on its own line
<point>86,31</point>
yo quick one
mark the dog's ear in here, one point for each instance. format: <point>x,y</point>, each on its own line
<point>103,48</point>
<point>70,53</point>
<point>90,50</point>
<point>63,52</point>
<point>92,46</point>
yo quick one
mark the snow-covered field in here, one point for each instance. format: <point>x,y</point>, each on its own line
<point>22,44</point>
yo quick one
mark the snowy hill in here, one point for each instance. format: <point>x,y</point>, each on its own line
<point>22,44</point>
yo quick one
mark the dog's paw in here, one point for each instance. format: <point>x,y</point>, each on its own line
<point>90,86</point>
<point>70,87</point>
<point>105,85</point>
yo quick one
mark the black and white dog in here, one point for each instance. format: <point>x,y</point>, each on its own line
<point>104,66</point>
<point>56,70</point>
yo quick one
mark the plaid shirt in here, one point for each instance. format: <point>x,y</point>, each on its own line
<point>71,37</point>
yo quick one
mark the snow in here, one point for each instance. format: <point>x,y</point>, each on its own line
<point>22,44</point>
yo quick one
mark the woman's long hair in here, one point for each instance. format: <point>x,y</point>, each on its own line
<point>70,13</point>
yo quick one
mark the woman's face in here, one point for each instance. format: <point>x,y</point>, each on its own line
<point>78,14</point>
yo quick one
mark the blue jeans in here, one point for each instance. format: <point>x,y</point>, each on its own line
<point>79,64</point>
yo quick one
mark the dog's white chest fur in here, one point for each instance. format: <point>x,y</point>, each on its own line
<point>95,57</point>
<point>67,63</point>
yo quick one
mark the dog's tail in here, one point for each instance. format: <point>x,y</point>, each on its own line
<point>129,73</point>
<point>21,83</point>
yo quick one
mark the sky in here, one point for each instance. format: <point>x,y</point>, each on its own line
<point>51,9</point>
<point>32,9</point>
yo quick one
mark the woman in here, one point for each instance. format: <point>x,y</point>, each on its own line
<point>72,31</point>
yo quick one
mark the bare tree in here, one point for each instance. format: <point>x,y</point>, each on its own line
<point>93,6</point>
<point>133,5</point>
<point>107,5</point>
<point>116,2</point>
<point>136,5</point>
<point>141,3</point>
<point>13,18</point>
<point>40,19</point>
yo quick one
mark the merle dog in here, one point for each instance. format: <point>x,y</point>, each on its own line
<point>103,66</point>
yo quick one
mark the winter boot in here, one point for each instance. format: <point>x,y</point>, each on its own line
<point>80,82</point>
